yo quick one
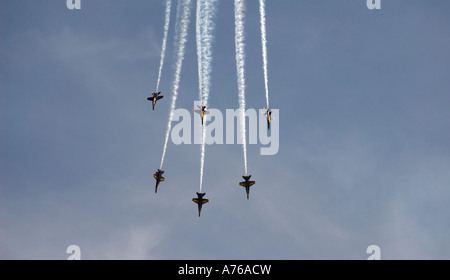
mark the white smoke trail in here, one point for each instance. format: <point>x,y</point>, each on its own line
<point>182,24</point>
<point>239,9</point>
<point>208,24</point>
<point>198,36</point>
<point>262,11</point>
<point>202,157</point>
<point>206,11</point>
<point>166,32</point>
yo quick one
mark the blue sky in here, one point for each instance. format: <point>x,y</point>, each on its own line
<point>364,131</point>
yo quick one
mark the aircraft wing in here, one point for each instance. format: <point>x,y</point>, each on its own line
<point>150,98</point>
<point>242,184</point>
<point>159,97</point>
<point>154,176</point>
<point>251,183</point>
<point>197,201</point>
<point>163,179</point>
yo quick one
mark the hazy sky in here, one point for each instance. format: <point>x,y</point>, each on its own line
<point>364,156</point>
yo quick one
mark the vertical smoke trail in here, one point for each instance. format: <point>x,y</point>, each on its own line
<point>262,11</point>
<point>207,23</point>
<point>202,157</point>
<point>198,36</point>
<point>239,8</point>
<point>166,32</point>
<point>206,11</point>
<point>183,24</point>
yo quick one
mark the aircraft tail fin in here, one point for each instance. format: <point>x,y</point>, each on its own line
<point>201,195</point>
<point>246,178</point>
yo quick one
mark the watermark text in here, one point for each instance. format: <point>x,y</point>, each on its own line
<point>73,4</point>
<point>373,4</point>
<point>218,132</point>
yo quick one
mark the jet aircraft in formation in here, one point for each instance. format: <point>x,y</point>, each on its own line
<point>155,98</point>
<point>159,178</point>
<point>268,114</point>
<point>200,201</point>
<point>202,111</point>
<point>247,184</point>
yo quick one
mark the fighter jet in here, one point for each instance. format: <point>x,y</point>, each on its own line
<point>155,98</point>
<point>247,184</point>
<point>159,178</point>
<point>268,114</point>
<point>202,111</point>
<point>200,201</point>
